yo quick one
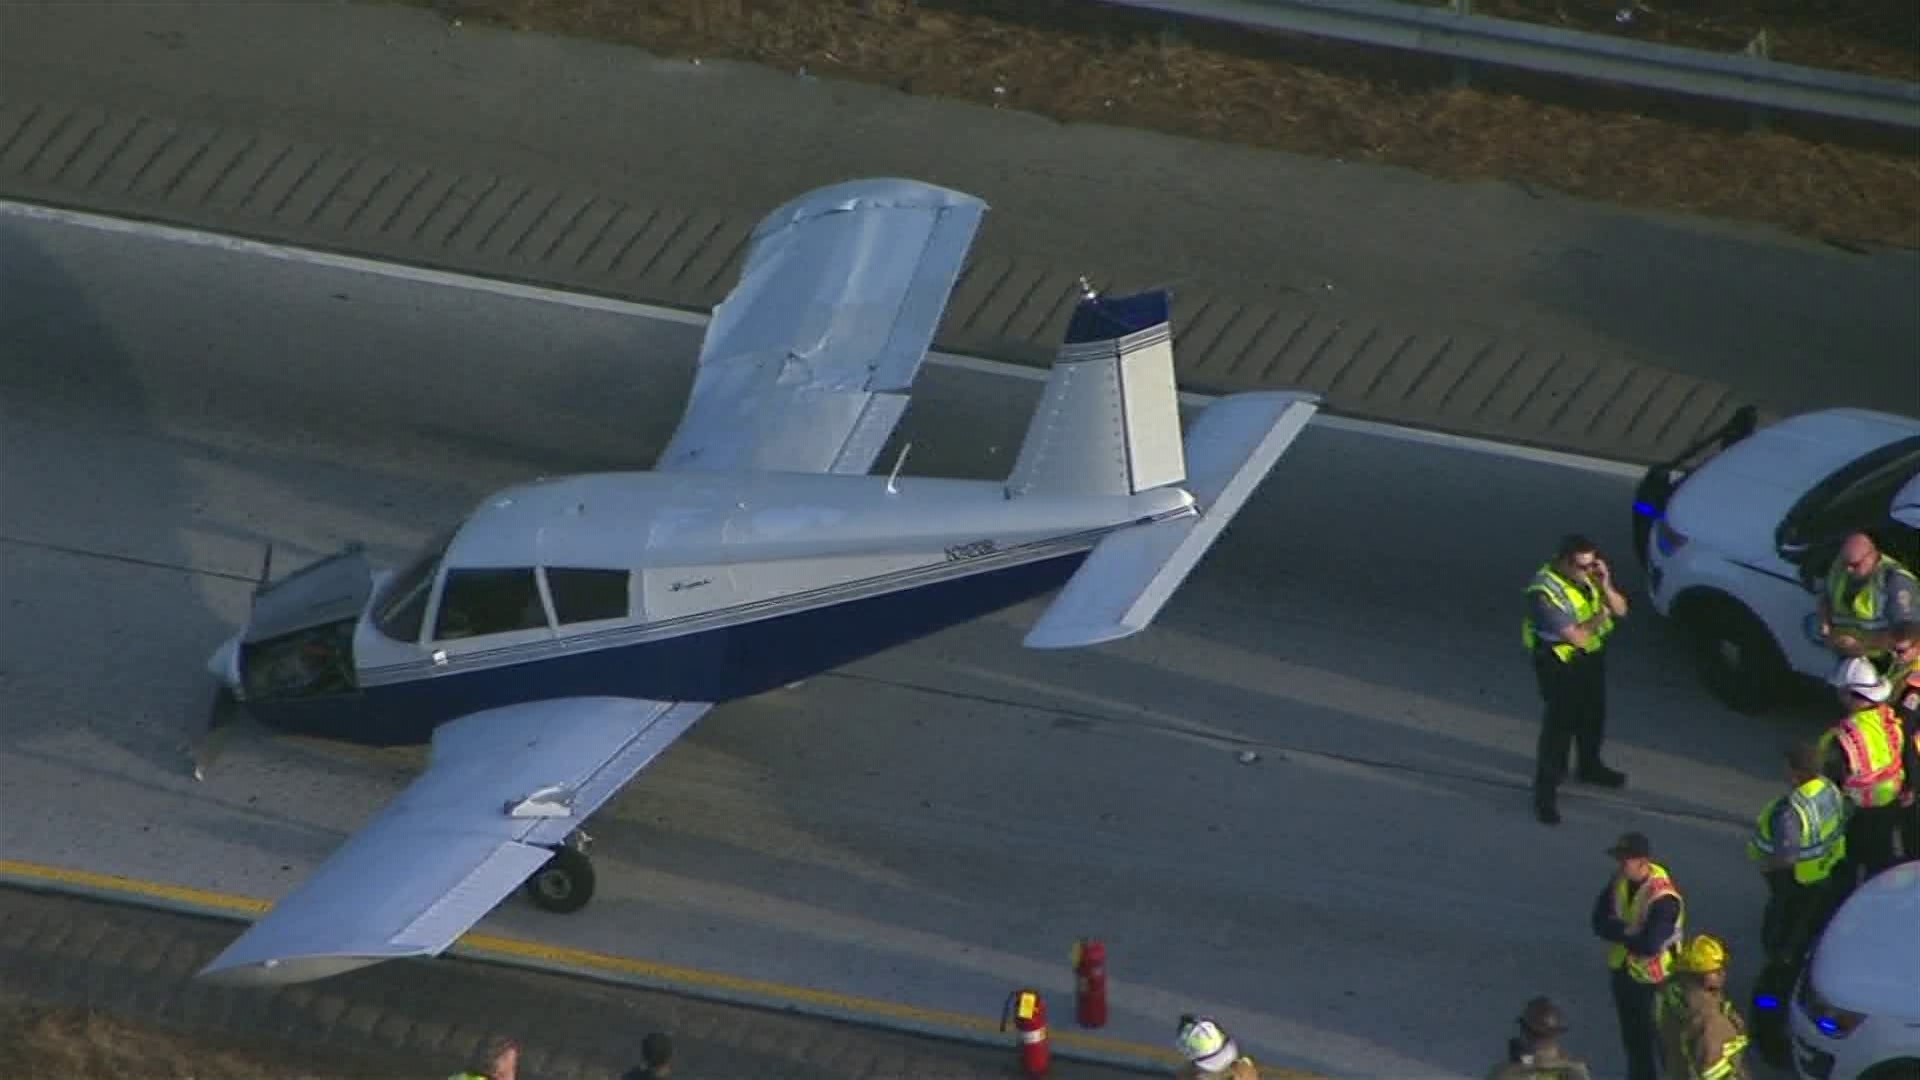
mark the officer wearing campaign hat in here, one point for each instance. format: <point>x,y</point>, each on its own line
<point>1537,1054</point>
<point>1642,915</point>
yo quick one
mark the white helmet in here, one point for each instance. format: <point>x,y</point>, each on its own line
<point>1204,1044</point>
<point>1857,675</point>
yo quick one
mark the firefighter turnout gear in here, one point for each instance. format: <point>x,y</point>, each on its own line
<point>1701,1034</point>
<point>1536,1054</point>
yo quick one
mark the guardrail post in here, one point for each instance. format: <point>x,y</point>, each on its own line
<point>1758,116</point>
<point>1462,69</point>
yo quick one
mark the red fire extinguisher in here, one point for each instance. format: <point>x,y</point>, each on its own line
<point>1028,1012</point>
<point>1090,982</point>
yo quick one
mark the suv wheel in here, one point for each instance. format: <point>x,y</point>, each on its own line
<point>1734,654</point>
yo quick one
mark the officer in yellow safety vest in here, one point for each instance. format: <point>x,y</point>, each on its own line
<point>1866,594</point>
<point>1571,608</point>
<point>1864,755</point>
<point>1701,1035</point>
<point>1643,915</point>
<point>1797,841</point>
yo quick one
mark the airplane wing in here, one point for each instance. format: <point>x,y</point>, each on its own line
<point>449,849</point>
<point>808,363</point>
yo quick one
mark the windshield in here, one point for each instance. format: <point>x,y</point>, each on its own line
<point>1854,497</point>
<point>402,608</point>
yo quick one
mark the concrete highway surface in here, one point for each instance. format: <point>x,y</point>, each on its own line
<point>1371,897</point>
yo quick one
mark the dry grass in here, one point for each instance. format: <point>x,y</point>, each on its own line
<point>47,1043</point>
<point>1076,60</point>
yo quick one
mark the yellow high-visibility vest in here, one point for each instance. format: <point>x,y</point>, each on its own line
<point>1864,612</point>
<point>1630,906</point>
<point>1581,603</point>
<point>1871,739</point>
<point>1823,838</point>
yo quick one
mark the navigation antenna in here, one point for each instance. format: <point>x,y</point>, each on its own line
<point>897,462</point>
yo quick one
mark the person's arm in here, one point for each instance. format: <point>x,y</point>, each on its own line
<point>1605,925</point>
<point>1833,764</point>
<point>1663,915</point>
<point>1787,840</point>
<point>1548,620</point>
<point>1616,600</point>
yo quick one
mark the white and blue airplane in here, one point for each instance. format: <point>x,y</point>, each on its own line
<point>556,641</point>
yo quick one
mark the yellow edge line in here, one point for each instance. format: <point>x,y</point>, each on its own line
<point>489,944</point>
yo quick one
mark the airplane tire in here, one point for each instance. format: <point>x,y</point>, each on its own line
<point>564,884</point>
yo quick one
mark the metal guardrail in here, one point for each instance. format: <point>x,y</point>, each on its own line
<point>1744,78</point>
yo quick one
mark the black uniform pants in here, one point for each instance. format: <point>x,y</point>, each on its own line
<point>1870,837</point>
<point>1575,695</point>
<point>1796,914</point>
<point>1633,1002</point>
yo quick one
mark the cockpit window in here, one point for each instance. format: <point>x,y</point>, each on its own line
<point>586,595</point>
<point>404,606</point>
<point>477,602</point>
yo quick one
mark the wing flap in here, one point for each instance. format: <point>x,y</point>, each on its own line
<point>500,787</point>
<point>840,295</point>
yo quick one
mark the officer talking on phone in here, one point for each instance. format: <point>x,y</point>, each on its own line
<point>1572,607</point>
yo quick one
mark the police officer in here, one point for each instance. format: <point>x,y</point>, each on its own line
<point>1643,915</point>
<point>1864,753</point>
<point>1867,592</point>
<point>1571,609</point>
<point>1797,841</point>
<point>1536,1054</point>
<point>1701,1035</point>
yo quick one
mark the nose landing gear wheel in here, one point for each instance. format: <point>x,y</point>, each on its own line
<point>564,884</point>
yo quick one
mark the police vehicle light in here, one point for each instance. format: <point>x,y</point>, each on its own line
<point>1646,510</point>
<point>1766,1001</point>
<point>1833,1021</point>
<point>1667,538</point>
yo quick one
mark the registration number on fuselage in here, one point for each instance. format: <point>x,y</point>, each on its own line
<point>973,550</point>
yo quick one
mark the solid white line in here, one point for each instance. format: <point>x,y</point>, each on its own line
<point>173,234</point>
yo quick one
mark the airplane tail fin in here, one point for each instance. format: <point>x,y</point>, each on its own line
<point>1132,573</point>
<point>1108,422</point>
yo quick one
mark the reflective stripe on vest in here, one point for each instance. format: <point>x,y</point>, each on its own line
<point>1874,768</point>
<point>1823,838</point>
<point>1632,910</point>
<point>1865,611</point>
<point>1582,604</point>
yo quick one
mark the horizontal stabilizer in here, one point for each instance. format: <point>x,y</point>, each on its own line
<point>1131,574</point>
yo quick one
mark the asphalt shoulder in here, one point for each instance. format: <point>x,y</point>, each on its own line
<point>1481,309</point>
<point>396,1019</point>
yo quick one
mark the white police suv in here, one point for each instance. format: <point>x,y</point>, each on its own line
<point>1856,1011</point>
<point>1736,535</point>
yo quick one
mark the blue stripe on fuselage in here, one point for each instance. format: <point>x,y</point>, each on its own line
<point>714,665</point>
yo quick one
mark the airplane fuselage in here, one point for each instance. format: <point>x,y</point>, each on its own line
<point>734,584</point>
